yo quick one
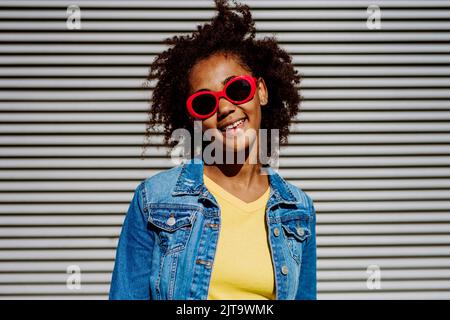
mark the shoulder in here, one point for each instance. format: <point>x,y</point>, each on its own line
<point>165,177</point>
<point>160,185</point>
<point>302,197</point>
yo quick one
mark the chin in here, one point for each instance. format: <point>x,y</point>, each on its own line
<point>237,148</point>
<point>236,145</point>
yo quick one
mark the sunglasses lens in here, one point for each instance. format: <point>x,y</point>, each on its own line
<point>204,104</point>
<point>239,90</point>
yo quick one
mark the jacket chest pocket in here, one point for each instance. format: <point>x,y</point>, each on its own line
<point>172,224</point>
<point>297,230</point>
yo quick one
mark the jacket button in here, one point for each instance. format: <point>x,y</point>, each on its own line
<point>276,232</point>
<point>171,221</point>
<point>284,270</point>
<point>300,231</point>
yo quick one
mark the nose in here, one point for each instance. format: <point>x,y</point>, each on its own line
<point>225,108</point>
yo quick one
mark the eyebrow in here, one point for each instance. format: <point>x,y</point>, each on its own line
<point>224,82</point>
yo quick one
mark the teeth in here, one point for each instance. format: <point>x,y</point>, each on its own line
<point>234,124</point>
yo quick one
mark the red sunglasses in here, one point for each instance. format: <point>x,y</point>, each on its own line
<point>238,90</point>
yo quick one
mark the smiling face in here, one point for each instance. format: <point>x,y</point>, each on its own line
<point>213,73</point>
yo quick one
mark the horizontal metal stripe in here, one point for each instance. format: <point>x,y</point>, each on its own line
<point>290,150</point>
<point>390,251</point>
<point>55,175</point>
<point>135,162</point>
<point>83,226</point>
<point>144,95</point>
<point>322,252</point>
<point>379,104</point>
<point>51,278</point>
<point>41,223</point>
<point>368,70</point>
<point>30,71</point>
<point>293,49</point>
<point>188,26</point>
<point>325,184</point>
<point>322,241</point>
<point>343,196</point>
<point>87,163</point>
<point>329,235</point>
<point>50,295</point>
<point>137,83</point>
<point>129,106</point>
<point>311,105</point>
<point>124,128</point>
<point>398,263</point>
<point>295,138</point>
<point>275,13</point>
<point>386,274</point>
<point>56,266</point>
<point>348,116</point>
<point>69,185</point>
<point>58,243</point>
<point>389,206</point>
<point>339,229</point>
<point>58,254</point>
<point>65,197</point>
<point>58,209</point>
<point>61,232</point>
<point>369,173</point>
<point>364,240</point>
<point>305,36</point>
<point>383,229</point>
<point>376,294</point>
<point>385,284</point>
<point>356,265</point>
<point>358,150</point>
<point>64,71</point>
<point>322,207</point>
<point>333,265</point>
<point>390,217</point>
<point>357,184</point>
<point>40,296</point>
<point>299,60</point>
<point>56,223</point>
<point>196,4</point>
<point>328,224</point>
<point>74,174</point>
<point>87,278</point>
<point>54,289</point>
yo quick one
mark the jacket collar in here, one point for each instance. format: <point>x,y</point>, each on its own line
<point>190,182</point>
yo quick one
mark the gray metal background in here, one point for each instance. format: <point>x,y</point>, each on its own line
<point>371,145</point>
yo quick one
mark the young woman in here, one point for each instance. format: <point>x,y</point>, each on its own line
<point>220,230</point>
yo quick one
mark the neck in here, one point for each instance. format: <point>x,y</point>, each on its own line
<point>242,175</point>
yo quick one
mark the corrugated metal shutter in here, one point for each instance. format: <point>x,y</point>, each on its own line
<point>371,146</point>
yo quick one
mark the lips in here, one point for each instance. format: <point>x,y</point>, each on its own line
<point>232,125</point>
<point>235,128</point>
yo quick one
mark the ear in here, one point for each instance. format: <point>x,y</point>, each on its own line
<point>263,94</point>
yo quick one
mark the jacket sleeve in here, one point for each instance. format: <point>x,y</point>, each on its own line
<point>131,274</point>
<point>307,289</point>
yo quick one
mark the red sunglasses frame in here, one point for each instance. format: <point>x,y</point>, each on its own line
<point>222,93</point>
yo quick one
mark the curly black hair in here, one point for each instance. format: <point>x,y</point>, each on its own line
<point>231,33</point>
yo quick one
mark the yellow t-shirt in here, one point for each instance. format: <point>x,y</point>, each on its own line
<point>242,268</point>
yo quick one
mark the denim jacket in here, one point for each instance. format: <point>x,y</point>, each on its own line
<point>169,237</point>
